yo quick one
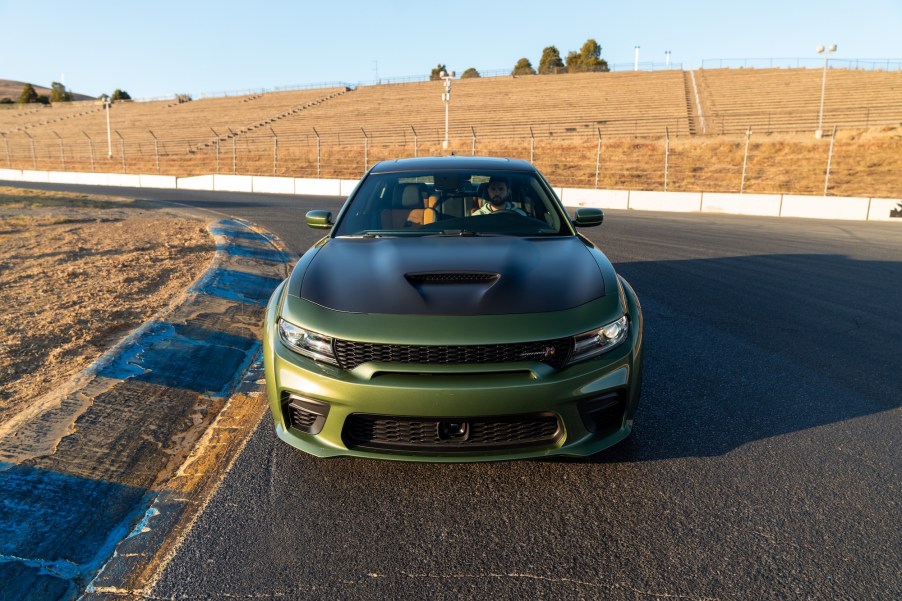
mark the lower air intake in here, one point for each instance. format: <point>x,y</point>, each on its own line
<point>461,435</point>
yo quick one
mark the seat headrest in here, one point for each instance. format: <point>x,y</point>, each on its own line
<point>411,197</point>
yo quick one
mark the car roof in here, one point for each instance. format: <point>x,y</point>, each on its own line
<point>452,162</point>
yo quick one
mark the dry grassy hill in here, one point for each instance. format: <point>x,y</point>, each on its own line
<point>669,130</point>
<point>12,89</point>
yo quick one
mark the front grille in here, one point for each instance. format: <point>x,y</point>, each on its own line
<point>551,352</point>
<point>427,434</point>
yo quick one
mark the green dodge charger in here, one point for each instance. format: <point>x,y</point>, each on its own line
<point>453,313</point>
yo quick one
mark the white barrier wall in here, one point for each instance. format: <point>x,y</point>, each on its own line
<point>786,205</point>
<point>272,185</point>
<point>233,183</point>
<point>94,179</point>
<point>347,186</point>
<point>824,207</point>
<point>602,199</point>
<point>197,182</point>
<point>885,209</point>
<point>156,181</point>
<point>35,176</point>
<point>741,204</point>
<point>679,202</point>
<point>317,187</point>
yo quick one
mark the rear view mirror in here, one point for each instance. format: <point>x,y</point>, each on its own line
<point>588,217</point>
<point>319,220</point>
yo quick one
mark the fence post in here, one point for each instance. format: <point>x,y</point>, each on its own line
<point>62,151</point>
<point>829,161</point>
<point>598,159</point>
<point>90,150</point>
<point>473,152</point>
<point>34,156</point>
<point>666,155</point>
<point>217,148</point>
<point>317,150</point>
<point>275,151</point>
<point>121,149</point>
<point>366,150</point>
<point>234,152</point>
<point>156,150</point>
<point>532,146</point>
<point>745,158</point>
<point>415,143</point>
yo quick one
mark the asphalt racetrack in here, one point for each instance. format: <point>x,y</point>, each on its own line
<point>765,461</point>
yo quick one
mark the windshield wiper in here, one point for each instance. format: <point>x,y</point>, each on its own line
<point>465,233</point>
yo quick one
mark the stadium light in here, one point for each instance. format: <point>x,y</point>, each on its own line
<point>819,133</point>
<point>446,98</point>
<point>636,67</point>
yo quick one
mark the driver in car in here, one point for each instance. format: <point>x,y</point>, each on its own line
<point>498,194</point>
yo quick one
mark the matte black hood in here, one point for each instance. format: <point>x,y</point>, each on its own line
<point>452,275</point>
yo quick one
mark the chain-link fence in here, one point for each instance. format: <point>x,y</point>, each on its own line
<point>850,162</point>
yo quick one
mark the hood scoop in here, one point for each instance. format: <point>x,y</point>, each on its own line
<point>455,277</point>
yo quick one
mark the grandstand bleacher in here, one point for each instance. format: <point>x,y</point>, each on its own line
<point>568,124</point>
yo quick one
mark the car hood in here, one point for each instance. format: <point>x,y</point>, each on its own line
<point>439,275</point>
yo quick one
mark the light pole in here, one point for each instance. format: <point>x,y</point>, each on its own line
<point>109,140</point>
<point>820,119</point>
<point>667,58</point>
<point>446,98</point>
<point>636,67</point>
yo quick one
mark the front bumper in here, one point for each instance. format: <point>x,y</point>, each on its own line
<point>454,413</point>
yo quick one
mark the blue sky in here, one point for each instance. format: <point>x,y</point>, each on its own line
<point>159,48</point>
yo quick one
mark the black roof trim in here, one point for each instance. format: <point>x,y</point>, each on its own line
<point>452,162</point>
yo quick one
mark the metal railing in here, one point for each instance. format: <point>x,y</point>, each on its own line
<point>864,64</point>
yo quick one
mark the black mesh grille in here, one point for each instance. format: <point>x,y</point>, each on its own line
<point>451,278</point>
<point>552,352</point>
<point>303,414</point>
<point>432,434</point>
<point>301,419</point>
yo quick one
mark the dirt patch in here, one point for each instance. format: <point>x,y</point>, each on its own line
<point>77,273</point>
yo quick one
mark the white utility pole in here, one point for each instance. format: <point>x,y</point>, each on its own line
<point>446,98</point>
<point>820,119</point>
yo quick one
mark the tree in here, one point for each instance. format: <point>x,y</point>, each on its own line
<point>523,67</point>
<point>471,72</point>
<point>551,61</point>
<point>58,93</point>
<point>29,95</point>
<point>120,95</point>
<point>588,59</point>
<point>437,72</point>
<point>574,62</point>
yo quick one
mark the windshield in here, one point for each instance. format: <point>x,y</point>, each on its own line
<point>453,202</point>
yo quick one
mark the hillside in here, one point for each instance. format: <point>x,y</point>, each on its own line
<point>12,89</point>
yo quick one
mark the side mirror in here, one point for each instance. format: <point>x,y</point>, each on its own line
<point>319,220</point>
<point>588,217</point>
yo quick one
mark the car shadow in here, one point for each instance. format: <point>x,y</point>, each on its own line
<point>742,349</point>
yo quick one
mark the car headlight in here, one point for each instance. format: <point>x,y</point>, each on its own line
<point>307,343</point>
<point>600,340</point>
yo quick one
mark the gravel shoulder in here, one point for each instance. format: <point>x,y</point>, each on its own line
<point>78,272</point>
